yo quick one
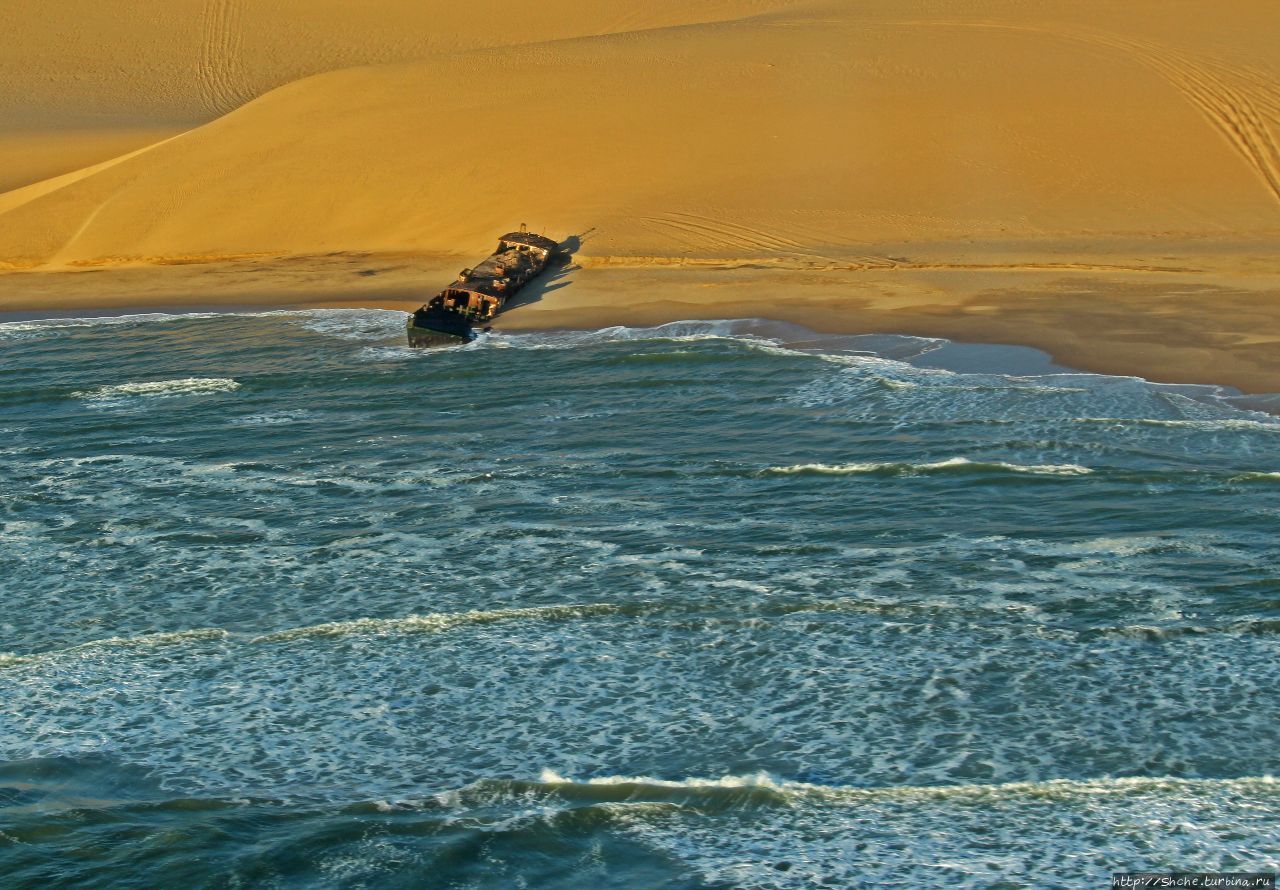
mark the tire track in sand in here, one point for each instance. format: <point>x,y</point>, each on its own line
<point>722,234</point>
<point>1224,96</point>
<point>220,72</point>
<point>1230,99</point>
<point>701,231</point>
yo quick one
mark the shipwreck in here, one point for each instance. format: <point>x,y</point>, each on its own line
<point>480,293</point>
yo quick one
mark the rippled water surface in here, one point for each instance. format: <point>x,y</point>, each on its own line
<point>284,603</point>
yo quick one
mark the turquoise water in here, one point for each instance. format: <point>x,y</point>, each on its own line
<point>714,604</point>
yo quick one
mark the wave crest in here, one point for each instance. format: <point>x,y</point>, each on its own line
<point>1214,424</point>
<point>436,622</point>
<point>1257,476</point>
<point>185,386</point>
<point>763,788</point>
<point>951,465</point>
<point>118,644</point>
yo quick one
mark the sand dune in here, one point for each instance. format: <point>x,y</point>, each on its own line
<point>191,60</point>
<point>93,79</point>
<point>801,132</point>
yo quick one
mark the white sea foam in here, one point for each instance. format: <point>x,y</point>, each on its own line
<point>1065,832</point>
<point>21,330</point>
<point>141,645</point>
<point>1262,424</point>
<point>152,389</point>
<point>274,418</point>
<point>352,324</point>
<point>750,780</point>
<point>401,353</point>
<point>1259,476</point>
<point>909,469</point>
<point>376,324</point>
<point>347,324</point>
<point>760,831</point>
<point>881,389</point>
<point>1044,789</point>
<point>581,685</point>
<point>759,335</point>
<point>438,622</point>
<point>677,331</point>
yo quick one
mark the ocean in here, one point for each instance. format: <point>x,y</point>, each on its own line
<point>285,603</point>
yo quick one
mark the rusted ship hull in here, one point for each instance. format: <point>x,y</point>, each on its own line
<point>479,294</point>
<point>428,328</point>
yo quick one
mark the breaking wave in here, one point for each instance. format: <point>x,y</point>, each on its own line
<point>351,324</point>
<point>439,622</point>
<point>1263,423</point>
<point>951,465</point>
<point>118,645</point>
<point>410,624</point>
<point>23,330</point>
<point>153,389</point>
<point>762,787</point>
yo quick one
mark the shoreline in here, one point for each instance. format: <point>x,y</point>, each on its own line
<point>1216,324</point>
<point>1012,360</point>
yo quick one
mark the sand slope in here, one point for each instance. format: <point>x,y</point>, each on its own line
<point>800,133</point>
<point>88,80</point>
<point>194,59</point>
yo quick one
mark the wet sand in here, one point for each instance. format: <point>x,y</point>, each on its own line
<point>1162,327</point>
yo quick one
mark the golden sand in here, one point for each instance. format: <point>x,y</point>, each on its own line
<point>1101,180</point>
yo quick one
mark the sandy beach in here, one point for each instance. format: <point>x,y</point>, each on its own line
<point>1214,319</point>
<point>1099,182</point>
